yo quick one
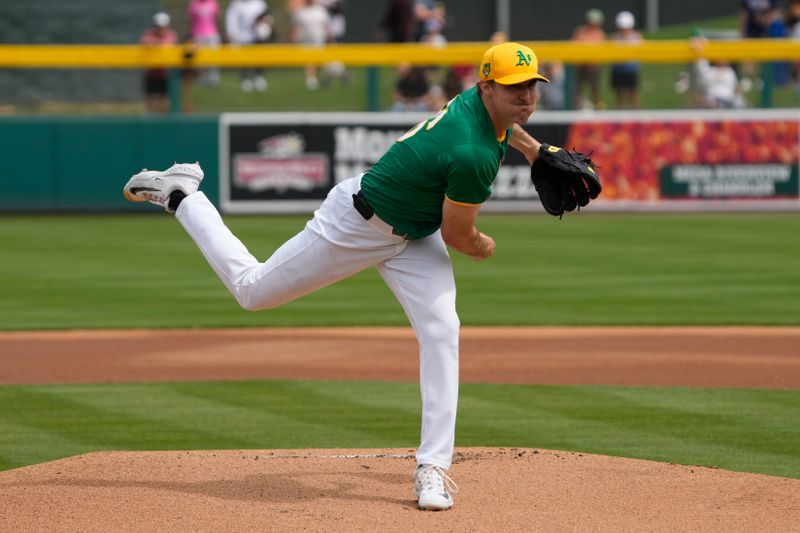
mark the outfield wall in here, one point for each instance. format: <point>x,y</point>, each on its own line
<point>286,162</point>
<point>81,163</point>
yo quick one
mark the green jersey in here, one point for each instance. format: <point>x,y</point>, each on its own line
<point>454,154</point>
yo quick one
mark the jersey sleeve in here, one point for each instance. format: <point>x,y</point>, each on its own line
<point>471,169</point>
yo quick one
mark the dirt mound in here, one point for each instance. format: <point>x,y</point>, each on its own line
<point>505,489</point>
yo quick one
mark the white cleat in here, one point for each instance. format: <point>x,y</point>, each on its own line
<point>155,186</point>
<point>433,488</point>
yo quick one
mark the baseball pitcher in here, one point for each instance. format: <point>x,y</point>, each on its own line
<point>420,198</point>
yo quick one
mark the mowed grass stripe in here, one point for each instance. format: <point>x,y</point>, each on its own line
<point>61,420</point>
<point>358,413</point>
<point>114,416</point>
<point>748,430</point>
<point>730,428</point>
<point>587,269</point>
<point>640,268</point>
<point>21,444</point>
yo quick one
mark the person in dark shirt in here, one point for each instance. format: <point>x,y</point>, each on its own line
<point>398,21</point>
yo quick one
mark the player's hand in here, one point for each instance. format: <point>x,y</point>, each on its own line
<point>487,248</point>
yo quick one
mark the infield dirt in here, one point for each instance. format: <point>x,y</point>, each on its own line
<point>663,356</point>
<point>502,489</point>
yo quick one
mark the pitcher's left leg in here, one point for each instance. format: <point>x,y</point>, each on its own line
<point>421,278</point>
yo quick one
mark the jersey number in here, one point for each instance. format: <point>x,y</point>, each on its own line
<point>431,122</point>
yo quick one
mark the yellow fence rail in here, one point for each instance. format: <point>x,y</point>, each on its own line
<point>279,55</point>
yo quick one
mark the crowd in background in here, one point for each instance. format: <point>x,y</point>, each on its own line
<point>424,88</point>
<point>428,87</point>
<point>245,23</point>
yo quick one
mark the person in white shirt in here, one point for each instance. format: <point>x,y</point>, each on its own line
<point>311,25</point>
<point>338,25</point>
<point>719,83</point>
<point>240,25</point>
<point>714,85</point>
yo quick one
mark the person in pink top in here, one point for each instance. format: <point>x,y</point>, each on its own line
<point>203,16</point>
<point>156,79</point>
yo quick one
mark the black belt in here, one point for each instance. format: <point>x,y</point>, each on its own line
<point>366,211</point>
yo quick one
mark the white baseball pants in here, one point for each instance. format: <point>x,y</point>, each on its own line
<point>338,243</point>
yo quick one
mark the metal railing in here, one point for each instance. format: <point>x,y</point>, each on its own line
<point>380,54</point>
<point>280,55</point>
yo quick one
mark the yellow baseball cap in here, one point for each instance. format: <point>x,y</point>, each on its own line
<point>510,63</point>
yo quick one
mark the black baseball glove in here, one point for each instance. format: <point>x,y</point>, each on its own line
<point>565,180</point>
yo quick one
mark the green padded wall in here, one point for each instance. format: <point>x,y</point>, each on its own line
<point>81,163</point>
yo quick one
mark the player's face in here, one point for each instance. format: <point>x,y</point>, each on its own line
<point>515,102</point>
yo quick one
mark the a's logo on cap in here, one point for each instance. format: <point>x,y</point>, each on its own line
<point>523,59</point>
<point>487,68</point>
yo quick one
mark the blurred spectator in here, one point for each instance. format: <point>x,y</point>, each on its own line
<point>338,25</point>
<point>719,84</point>
<point>412,89</point>
<point>433,27</point>
<point>776,29</point>
<point>432,34</point>
<point>792,23</point>
<point>551,95</point>
<point>203,16</point>
<point>587,76</point>
<point>156,80</point>
<point>240,25</point>
<point>452,85</point>
<point>689,83</point>
<point>714,85</point>
<point>792,19</point>
<point>498,37</point>
<point>399,22</point>
<point>311,25</point>
<point>189,76</point>
<point>755,17</point>
<point>466,75</point>
<point>265,27</point>
<point>625,76</point>
<point>428,16</point>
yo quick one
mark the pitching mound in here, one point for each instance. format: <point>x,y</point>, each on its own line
<point>506,489</point>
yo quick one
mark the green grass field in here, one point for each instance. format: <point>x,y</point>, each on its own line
<point>101,271</point>
<point>105,271</point>
<point>745,430</point>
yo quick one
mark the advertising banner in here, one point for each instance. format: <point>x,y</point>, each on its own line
<point>729,181</point>
<point>723,155</point>
<point>287,162</point>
